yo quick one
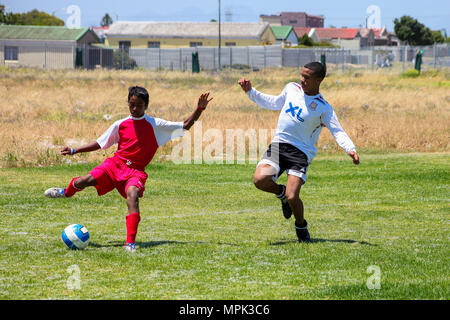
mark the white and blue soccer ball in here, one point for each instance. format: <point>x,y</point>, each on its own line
<point>75,236</point>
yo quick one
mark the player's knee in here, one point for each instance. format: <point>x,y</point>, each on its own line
<point>85,181</point>
<point>292,197</point>
<point>133,194</point>
<point>259,181</point>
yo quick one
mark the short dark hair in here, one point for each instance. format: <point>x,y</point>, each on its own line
<point>318,69</point>
<point>138,92</point>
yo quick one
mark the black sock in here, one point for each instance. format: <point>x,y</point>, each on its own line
<point>301,226</point>
<point>282,195</point>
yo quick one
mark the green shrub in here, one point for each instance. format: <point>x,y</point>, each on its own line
<point>412,73</point>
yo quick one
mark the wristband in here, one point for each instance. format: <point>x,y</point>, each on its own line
<point>198,108</point>
<point>72,151</point>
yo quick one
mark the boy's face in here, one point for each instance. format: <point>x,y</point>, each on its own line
<point>137,107</point>
<point>310,82</point>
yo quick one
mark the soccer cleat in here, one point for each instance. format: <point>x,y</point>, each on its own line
<point>55,193</point>
<point>130,247</point>
<point>302,233</point>
<point>287,211</point>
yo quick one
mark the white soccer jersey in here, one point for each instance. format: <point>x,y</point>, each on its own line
<point>301,119</point>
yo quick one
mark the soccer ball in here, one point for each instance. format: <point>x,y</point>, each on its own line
<point>75,236</point>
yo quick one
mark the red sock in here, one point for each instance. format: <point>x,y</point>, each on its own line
<point>132,226</point>
<point>71,189</point>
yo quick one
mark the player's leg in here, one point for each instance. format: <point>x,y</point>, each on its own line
<point>76,184</point>
<point>133,217</point>
<point>264,179</point>
<point>293,186</point>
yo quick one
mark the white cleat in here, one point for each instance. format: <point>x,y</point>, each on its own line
<point>130,247</point>
<point>55,193</point>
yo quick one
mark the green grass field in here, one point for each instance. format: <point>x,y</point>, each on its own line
<point>207,233</point>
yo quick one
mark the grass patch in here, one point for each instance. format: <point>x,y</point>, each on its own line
<point>207,233</point>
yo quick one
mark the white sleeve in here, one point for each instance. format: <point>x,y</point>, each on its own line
<point>331,121</point>
<point>109,137</point>
<point>167,130</point>
<point>267,101</point>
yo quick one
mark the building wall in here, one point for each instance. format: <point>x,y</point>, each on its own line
<point>314,22</point>
<point>301,19</point>
<point>88,38</point>
<point>346,43</point>
<point>42,54</point>
<point>292,39</point>
<point>295,19</point>
<point>266,38</point>
<point>272,20</point>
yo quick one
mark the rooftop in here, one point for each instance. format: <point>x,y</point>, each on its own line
<point>19,32</point>
<point>157,29</point>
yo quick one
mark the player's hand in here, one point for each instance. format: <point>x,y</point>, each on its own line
<point>203,101</point>
<point>66,151</point>
<point>354,156</point>
<point>245,84</point>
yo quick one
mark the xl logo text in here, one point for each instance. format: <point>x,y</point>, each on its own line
<point>293,110</point>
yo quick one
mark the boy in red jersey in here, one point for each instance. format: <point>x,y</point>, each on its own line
<point>138,137</point>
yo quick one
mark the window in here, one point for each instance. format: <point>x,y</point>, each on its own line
<point>153,44</point>
<point>293,21</point>
<point>195,44</point>
<point>230,44</point>
<point>125,45</point>
<point>11,53</point>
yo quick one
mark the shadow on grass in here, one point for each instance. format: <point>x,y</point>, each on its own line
<point>317,240</point>
<point>151,243</point>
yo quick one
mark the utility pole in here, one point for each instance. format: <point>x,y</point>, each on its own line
<point>220,36</point>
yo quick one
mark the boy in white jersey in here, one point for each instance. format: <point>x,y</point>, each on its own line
<point>303,114</point>
<point>138,137</point>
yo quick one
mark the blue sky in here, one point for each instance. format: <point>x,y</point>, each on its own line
<point>435,14</point>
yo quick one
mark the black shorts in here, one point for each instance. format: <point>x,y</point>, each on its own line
<point>286,157</point>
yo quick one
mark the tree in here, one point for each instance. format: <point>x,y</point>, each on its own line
<point>106,20</point>
<point>306,41</point>
<point>415,33</point>
<point>438,37</point>
<point>34,18</point>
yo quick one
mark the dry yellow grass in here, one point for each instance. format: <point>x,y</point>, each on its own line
<point>40,111</point>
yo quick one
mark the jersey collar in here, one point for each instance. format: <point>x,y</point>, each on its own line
<point>134,118</point>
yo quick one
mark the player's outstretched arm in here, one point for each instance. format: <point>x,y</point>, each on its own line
<point>245,84</point>
<point>201,106</point>
<point>265,101</point>
<point>92,146</point>
<point>354,156</point>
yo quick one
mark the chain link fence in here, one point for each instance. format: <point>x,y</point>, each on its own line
<point>67,55</point>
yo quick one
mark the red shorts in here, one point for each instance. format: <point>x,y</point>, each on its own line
<point>115,174</point>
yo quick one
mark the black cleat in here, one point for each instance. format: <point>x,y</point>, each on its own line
<point>302,232</point>
<point>287,211</point>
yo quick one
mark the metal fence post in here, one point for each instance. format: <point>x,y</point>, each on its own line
<point>372,58</point>
<point>343,60</point>
<point>435,55</point>
<point>121,54</point>
<point>404,54</point>
<point>231,57</point>
<point>159,59</point>
<point>45,55</point>
<point>265,49</point>
<point>73,54</point>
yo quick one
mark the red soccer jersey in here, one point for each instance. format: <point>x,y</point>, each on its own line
<point>139,138</point>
